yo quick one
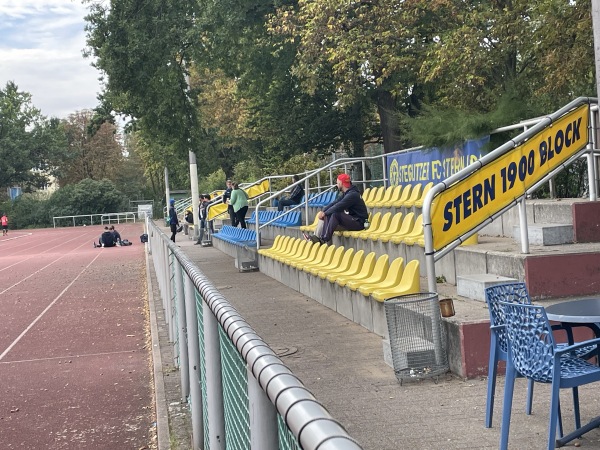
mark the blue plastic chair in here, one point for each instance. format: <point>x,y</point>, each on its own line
<point>535,355</point>
<point>509,292</point>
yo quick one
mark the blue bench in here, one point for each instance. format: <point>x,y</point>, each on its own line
<point>236,236</point>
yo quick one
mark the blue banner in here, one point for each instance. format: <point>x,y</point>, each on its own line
<point>432,164</point>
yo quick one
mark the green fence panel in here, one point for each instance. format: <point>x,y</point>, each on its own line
<point>287,441</point>
<point>202,381</point>
<point>235,395</point>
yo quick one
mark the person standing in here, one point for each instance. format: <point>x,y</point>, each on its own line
<point>348,212</point>
<point>173,220</point>
<point>227,201</point>
<point>239,203</point>
<point>203,215</point>
<point>4,222</point>
<point>295,196</point>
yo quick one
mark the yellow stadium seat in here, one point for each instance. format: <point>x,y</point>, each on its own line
<point>414,196</point>
<point>426,189</point>
<point>318,257</point>
<point>387,195</point>
<point>327,257</point>
<point>296,250</point>
<point>311,227</point>
<point>310,256</point>
<point>378,196</point>
<point>373,223</point>
<point>382,226</point>
<point>291,251</point>
<point>365,194</point>
<point>416,234</point>
<point>379,273</point>
<point>284,250</point>
<point>408,224</point>
<point>394,228</point>
<point>417,230</point>
<point>353,269</point>
<point>277,246</point>
<point>344,265</point>
<point>276,243</point>
<point>410,284</point>
<point>371,196</point>
<point>404,196</point>
<point>365,271</point>
<point>394,198</point>
<point>334,262</point>
<point>393,278</point>
<point>305,250</point>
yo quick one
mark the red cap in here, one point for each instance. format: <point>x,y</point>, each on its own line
<point>345,179</point>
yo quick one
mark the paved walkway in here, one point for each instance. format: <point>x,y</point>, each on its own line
<point>342,364</point>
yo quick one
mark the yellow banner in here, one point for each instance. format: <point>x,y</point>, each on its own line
<point>471,201</point>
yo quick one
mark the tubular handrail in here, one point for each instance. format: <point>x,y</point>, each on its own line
<point>306,418</point>
<point>431,254</point>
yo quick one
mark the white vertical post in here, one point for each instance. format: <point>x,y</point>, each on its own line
<point>194,364</point>
<point>184,370</point>
<point>214,387</point>
<point>195,193</point>
<point>596,29</point>
<point>167,190</point>
<point>169,295</point>
<point>263,417</point>
<point>523,225</point>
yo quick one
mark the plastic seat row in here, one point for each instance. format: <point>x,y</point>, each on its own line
<point>236,236</point>
<point>290,219</point>
<point>396,196</point>
<point>319,200</point>
<point>287,218</point>
<point>357,272</point>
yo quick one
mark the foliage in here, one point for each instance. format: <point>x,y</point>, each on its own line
<point>87,197</point>
<point>30,145</point>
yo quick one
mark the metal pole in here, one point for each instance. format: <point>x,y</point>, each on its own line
<point>364,174</point>
<point>169,295</point>
<point>214,387</point>
<point>184,367</point>
<point>167,190</point>
<point>523,226</point>
<point>263,417</point>
<point>195,193</point>
<point>383,170</point>
<point>194,364</point>
<point>596,28</point>
<point>590,159</point>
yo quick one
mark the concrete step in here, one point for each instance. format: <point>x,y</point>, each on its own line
<point>474,286</point>
<point>546,233</point>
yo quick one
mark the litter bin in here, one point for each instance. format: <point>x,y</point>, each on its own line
<point>417,336</point>
<point>247,257</point>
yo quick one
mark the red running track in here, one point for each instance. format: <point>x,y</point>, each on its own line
<point>74,354</point>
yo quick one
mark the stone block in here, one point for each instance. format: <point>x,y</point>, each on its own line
<point>474,286</point>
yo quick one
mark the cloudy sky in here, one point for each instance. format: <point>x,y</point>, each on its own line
<point>41,43</point>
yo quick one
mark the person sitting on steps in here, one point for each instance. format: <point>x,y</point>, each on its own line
<point>348,212</point>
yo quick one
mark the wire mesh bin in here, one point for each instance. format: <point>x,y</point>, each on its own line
<point>247,257</point>
<point>417,336</point>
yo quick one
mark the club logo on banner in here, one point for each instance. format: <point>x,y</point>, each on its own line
<point>434,164</point>
<point>471,201</point>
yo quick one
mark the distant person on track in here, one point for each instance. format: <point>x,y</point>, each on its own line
<point>4,222</point>
<point>116,234</point>
<point>107,239</point>
<point>173,220</point>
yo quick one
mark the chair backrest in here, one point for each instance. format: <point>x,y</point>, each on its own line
<point>508,292</point>
<point>530,339</point>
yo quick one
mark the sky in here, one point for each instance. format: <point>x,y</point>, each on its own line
<point>41,43</point>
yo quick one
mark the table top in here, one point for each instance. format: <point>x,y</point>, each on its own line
<point>575,311</point>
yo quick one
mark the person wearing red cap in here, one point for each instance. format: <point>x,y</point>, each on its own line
<point>347,212</point>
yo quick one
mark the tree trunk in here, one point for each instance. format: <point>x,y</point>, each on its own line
<point>388,119</point>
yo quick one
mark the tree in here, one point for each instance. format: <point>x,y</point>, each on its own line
<point>30,144</point>
<point>90,156</point>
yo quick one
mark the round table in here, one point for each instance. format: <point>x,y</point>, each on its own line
<point>575,311</point>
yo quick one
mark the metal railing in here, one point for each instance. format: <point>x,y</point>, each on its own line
<point>241,395</point>
<point>96,219</point>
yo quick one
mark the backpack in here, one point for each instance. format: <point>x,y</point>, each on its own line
<point>144,238</point>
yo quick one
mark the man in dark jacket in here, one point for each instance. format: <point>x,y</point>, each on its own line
<point>295,196</point>
<point>107,239</point>
<point>226,198</point>
<point>347,212</point>
<point>173,220</point>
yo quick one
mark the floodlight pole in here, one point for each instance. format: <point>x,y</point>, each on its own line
<point>167,190</point>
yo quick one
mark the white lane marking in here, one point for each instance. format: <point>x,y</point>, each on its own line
<point>47,308</point>
<point>69,357</point>
<point>39,270</point>
<point>16,237</point>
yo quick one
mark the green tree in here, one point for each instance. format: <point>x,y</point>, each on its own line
<point>30,145</point>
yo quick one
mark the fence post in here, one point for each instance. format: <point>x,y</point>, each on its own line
<point>169,295</point>
<point>214,386</point>
<point>184,368</point>
<point>264,433</point>
<point>194,364</point>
